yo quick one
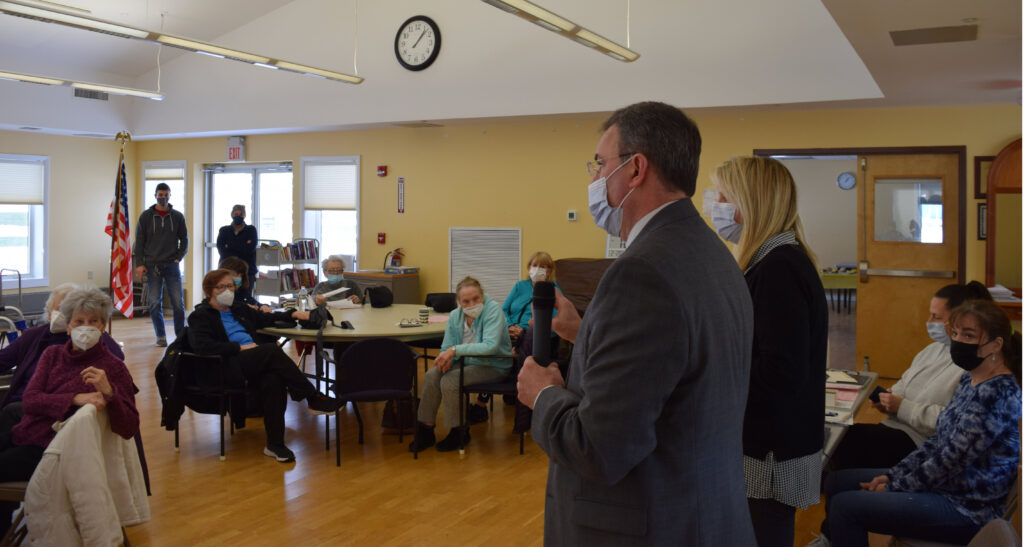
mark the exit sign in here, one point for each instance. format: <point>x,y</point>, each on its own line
<point>236,148</point>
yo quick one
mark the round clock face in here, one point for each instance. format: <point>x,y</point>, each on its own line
<point>417,43</point>
<point>846,180</point>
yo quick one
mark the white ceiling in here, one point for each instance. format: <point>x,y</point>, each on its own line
<point>694,54</point>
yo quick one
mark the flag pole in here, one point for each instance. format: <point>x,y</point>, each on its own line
<point>123,137</point>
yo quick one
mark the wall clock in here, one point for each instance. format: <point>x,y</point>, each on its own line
<point>846,180</point>
<point>417,43</point>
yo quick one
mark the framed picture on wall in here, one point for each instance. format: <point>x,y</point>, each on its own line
<point>982,221</point>
<point>981,166</point>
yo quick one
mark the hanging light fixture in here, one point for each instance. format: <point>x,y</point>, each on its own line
<point>560,25</point>
<point>112,89</point>
<point>52,15</point>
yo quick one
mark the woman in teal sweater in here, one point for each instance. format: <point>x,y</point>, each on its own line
<point>476,327</point>
<point>517,308</point>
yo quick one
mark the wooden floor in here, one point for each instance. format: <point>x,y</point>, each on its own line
<point>379,496</point>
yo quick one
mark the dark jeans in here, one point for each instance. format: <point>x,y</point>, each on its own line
<point>870,446</point>
<point>773,522</point>
<point>16,462</point>
<point>156,278</point>
<point>852,512</point>
<point>268,369</point>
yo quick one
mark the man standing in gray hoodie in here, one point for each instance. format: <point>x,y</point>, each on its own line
<point>161,241</point>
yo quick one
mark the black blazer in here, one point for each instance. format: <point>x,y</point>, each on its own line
<point>206,333</point>
<point>786,401</point>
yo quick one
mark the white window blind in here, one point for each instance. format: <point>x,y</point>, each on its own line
<point>330,183</point>
<point>22,179</point>
<point>491,255</point>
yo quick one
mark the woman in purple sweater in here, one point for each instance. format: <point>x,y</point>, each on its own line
<point>69,376</point>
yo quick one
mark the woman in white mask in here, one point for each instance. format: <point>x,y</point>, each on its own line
<point>783,429</point>
<point>476,328</point>
<point>222,325</point>
<point>916,400</point>
<point>81,371</point>
<point>22,355</point>
<point>517,308</point>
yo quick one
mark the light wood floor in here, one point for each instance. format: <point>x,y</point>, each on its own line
<point>379,496</point>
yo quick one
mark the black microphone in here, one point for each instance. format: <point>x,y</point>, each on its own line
<point>543,309</point>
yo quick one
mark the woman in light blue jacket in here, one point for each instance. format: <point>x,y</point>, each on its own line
<point>476,327</point>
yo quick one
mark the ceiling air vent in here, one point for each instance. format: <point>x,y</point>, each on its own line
<point>93,135</point>
<point>90,94</point>
<point>27,128</point>
<point>934,35</point>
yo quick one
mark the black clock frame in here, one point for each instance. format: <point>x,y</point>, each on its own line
<point>437,41</point>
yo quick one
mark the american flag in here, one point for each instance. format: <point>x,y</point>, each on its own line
<point>120,247</point>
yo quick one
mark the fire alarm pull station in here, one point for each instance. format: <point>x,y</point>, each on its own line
<point>382,170</point>
<point>380,238</point>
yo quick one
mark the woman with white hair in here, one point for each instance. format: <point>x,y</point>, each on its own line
<point>334,269</point>
<point>783,429</point>
<point>23,354</point>
<point>81,371</point>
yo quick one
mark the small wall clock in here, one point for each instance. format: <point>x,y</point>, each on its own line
<point>846,180</point>
<point>417,43</point>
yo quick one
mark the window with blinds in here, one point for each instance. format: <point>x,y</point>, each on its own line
<point>491,255</point>
<point>330,203</point>
<point>23,204</point>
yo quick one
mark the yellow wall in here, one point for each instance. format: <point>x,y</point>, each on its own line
<point>524,173</point>
<point>82,172</point>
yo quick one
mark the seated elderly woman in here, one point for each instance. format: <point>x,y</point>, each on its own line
<point>23,354</point>
<point>334,269</point>
<point>221,325</point>
<point>476,327</point>
<point>243,290</point>
<point>959,478</point>
<point>81,371</point>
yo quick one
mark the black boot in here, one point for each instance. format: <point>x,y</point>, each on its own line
<point>456,439</point>
<point>424,437</point>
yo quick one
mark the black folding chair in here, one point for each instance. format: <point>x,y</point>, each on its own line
<point>373,370</point>
<point>209,388</point>
<point>507,386</point>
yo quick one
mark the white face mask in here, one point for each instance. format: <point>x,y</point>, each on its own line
<point>605,216</point>
<point>538,274</point>
<point>226,298</point>
<point>85,337</point>
<point>57,322</point>
<point>723,218</point>
<point>937,332</point>
<point>474,311</point>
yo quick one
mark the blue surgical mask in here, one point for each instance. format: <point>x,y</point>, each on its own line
<point>334,279</point>
<point>723,218</point>
<point>237,280</point>
<point>605,216</point>
<point>937,332</point>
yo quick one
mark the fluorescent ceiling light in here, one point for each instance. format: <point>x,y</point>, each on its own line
<point>22,9</point>
<point>203,47</point>
<point>560,25</point>
<point>313,71</point>
<point>115,90</point>
<point>52,15</point>
<point>14,76</point>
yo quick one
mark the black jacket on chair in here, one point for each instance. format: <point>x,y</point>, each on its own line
<point>206,332</point>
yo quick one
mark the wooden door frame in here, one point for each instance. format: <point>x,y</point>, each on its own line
<point>959,151</point>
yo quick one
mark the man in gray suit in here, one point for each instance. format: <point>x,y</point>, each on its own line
<point>645,440</point>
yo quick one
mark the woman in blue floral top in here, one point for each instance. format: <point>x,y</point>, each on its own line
<point>959,478</point>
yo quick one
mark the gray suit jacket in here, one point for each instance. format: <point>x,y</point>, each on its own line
<point>645,441</point>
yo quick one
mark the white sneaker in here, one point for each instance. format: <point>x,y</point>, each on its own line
<point>820,541</point>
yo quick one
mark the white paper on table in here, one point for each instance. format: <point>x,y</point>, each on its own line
<point>343,304</point>
<point>334,292</point>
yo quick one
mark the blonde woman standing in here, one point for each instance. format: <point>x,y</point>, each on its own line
<point>783,429</point>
